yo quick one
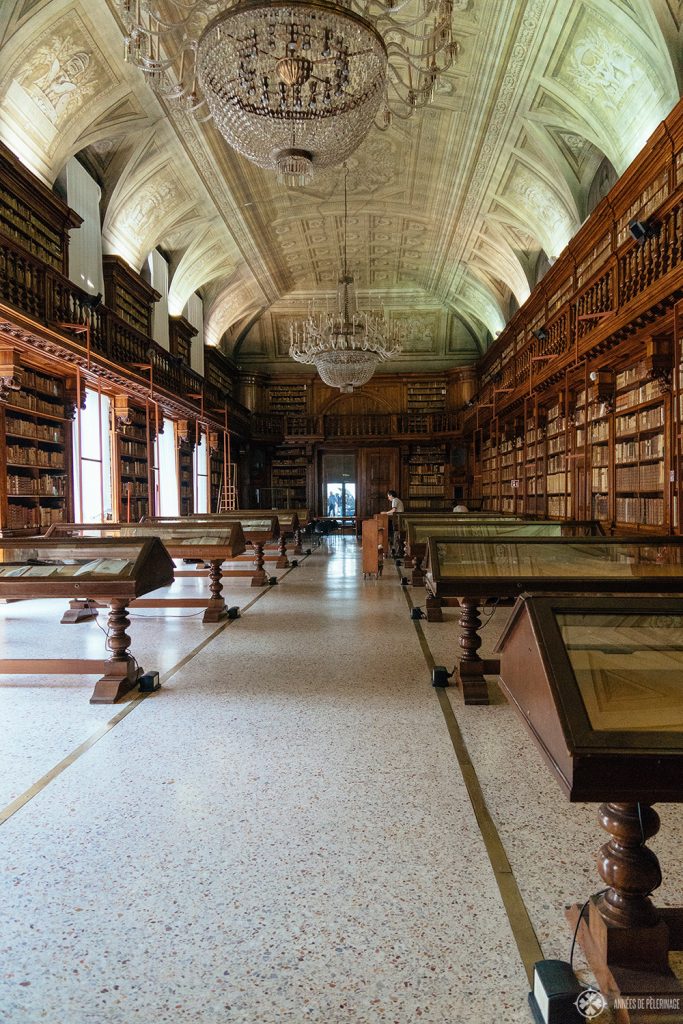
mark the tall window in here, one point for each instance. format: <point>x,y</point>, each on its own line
<point>201,475</point>
<point>93,500</point>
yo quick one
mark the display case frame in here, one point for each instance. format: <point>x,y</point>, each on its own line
<point>213,546</point>
<point>257,533</point>
<point>469,588</point>
<point>152,568</point>
<point>626,939</point>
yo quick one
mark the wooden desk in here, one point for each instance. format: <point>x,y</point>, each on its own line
<point>474,572</point>
<point>258,531</point>
<point>212,545</point>
<point>375,534</point>
<point>115,571</point>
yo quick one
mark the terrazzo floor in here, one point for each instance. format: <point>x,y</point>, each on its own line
<point>282,832</point>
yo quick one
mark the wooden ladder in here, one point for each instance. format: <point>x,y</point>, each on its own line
<point>227,495</point>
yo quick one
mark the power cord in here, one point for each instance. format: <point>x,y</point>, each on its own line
<point>576,930</point>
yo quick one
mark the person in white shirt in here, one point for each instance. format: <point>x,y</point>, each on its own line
<point>396,503</point>
<point>461,508</point>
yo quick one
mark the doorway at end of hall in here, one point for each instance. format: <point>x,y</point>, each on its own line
<point>339,484</point>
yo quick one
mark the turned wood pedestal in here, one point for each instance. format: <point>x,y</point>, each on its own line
<point>283,561</point>
<point>625,938</point>
<point>259,578</point>
<point>471,669</point>
<point>121,671</point>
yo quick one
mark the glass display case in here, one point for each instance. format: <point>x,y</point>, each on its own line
<point>473,572</point>
<point>259,530</point>
<point>208,542</point>
<point>419,531</point>
<point>111,570</point>
<point>598,682</point>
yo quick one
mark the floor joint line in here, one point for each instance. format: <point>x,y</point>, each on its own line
<point>523,931</point>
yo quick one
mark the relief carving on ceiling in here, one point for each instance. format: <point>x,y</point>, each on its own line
<point>528,192</point>
<point>603,67</point>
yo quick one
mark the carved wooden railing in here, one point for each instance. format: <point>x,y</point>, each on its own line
<point>355,425</point>
<point>43,294</point>
<point>604,284</point>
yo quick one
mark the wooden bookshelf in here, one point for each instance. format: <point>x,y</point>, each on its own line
<point>558,479</point>
<point>36,476</point>
<point>427,479</point>
<point>535,466</point>
<point>32,215</point>
<point>640,420</point>
<point>128,295</point>
<point>185,479</point>
<point>289,477</point>
<point>426,396</point>
<point>130,431</point>
<point>287,398</point>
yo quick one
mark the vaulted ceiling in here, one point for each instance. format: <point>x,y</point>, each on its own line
<point>453,215</point>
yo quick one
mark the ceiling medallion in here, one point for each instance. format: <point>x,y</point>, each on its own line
<point>294,86</point>
<point>346,346</point>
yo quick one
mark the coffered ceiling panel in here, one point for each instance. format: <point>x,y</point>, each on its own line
<point>450,214</point>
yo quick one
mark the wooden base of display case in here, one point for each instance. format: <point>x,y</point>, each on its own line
<point>625,938</point>
<point>118,676</point>
<point>80,610</point>
<point>216,609</point>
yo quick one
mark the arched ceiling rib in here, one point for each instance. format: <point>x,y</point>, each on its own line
<point>449,213</point>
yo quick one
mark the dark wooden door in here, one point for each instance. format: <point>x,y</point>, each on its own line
<point>378,473</point>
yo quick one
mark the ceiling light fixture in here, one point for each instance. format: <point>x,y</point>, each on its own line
<point>293,85</point>
<point>347,346</point>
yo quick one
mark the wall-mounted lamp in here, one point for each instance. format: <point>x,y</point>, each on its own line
<point>641,230</point>
<point>91,302</point>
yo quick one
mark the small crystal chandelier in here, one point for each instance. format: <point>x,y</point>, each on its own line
<point>347,346</point>
<point>293,85</point>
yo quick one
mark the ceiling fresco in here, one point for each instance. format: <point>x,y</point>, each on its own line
<point>453,215</point>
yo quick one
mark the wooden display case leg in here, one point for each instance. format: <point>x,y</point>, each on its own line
<point>80,610</point>
<point>259,579</point>
<point>470,668</point>
<point>121,671</point>
<point>216,608</point>
<point>298,550</point>
<point>417,578</point>
<point>283,561</point>
<point>433,608</point>
<point>626,939</point>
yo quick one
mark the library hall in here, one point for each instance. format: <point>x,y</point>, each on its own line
<point>341,514</point>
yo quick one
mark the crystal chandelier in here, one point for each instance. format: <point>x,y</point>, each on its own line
<point>347,346</point>
<point>293,85</point>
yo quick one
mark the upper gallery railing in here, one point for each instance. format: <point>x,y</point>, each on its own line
<point>48,297</point>
<point>355,425</point>
<point>605,281</point>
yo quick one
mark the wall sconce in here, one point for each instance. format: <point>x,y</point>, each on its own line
<point>604,389</point>
<point>641,230</point>
<point>91,302</point>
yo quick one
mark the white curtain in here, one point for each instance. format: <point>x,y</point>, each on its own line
<point>194,313</point>
<point>168,473</point>
<point>158,278</point>
<point>85,243</point>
